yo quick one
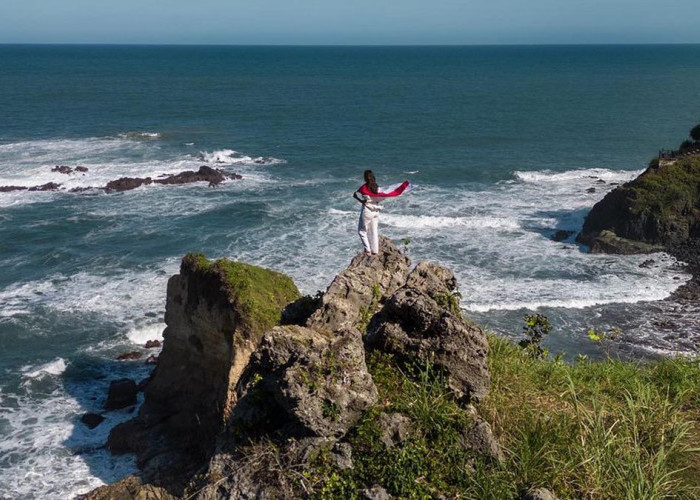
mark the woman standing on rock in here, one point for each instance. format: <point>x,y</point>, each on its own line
<point>370,195</point>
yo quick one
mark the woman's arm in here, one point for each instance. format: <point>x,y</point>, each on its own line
<point>354,195</point>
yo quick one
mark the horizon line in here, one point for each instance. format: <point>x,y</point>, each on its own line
<point>329,45</point>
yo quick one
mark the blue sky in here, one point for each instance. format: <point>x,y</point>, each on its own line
<point>350,22</point>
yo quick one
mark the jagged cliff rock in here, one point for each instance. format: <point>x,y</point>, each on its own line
<point>276,398</point>
<point>659,210</point>
<point>216,315</point>
<point>422,320</point>
<point>366,280</point>
<point>314,383</point>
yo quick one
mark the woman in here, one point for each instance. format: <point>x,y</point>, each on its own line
<point>367,227</point>
<point>370,195</point>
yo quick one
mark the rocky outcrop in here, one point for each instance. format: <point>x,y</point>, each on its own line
<point>659,210</point>
<point>422,320</point>
<point>238,407</point>
<point>316,383</point>
<point>130,488</point>
<point>365,284</point>
<point>216,314</point>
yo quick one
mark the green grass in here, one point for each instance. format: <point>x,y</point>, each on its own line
<point>667,191</point>
<point>592,430</point>
<point>260,294</point>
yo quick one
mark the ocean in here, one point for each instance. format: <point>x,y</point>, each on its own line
<point>505,146</point>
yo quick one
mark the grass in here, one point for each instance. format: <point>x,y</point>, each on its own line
<point>589,430</point>
<point>668,191</point>
<point>260,294</point>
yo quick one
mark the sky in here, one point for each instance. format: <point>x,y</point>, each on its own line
<point>350,22</point>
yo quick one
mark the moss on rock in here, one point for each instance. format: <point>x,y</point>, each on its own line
<point>260,294</point>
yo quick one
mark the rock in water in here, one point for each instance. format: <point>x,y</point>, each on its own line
<point>366,280</point>
<point>658,210</point>
<point>122,393</point>
<point>422,321</point>
<point>92,420</point>
<point>216,314</point>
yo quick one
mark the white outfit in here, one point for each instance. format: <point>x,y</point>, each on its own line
<point>367,226</point>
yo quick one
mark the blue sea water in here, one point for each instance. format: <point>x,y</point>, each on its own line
<point>502,143</point>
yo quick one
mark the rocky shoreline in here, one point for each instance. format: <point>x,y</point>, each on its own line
<point>230,386</point>
<point>212,176</point>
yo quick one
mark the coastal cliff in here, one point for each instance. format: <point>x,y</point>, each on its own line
<point>379,388</point>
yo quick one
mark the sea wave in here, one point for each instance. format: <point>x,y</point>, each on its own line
<point>232,157</point>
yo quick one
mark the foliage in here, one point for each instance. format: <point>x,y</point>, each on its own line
<point>450,301</point>
<point>695,133</point>
<point>535,329</point>
<point>366,312</point>
<point>666,192</point>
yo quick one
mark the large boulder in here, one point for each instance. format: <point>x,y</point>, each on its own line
<point>658,210</point>
<point>366,283</point>
<point>216,314</point>
<point>309,382</point>
<point>422,321</point>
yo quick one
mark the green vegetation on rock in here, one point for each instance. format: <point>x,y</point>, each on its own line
<point>605,430</point>
<point>668,191</point>
<point>260,293</point>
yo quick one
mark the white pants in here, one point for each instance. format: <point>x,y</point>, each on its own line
<point>367,229</point>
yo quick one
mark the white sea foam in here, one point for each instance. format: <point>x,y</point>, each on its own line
<point>231,157</point>
<point>139,135</point>
<point>55,367</point>
<point>546,176</point>
<point>438,222</point>
<point>143,333</point>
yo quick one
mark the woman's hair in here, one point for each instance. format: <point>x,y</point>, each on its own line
<point>371,181</point>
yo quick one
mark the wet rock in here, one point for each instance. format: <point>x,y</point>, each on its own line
<point>538,494</point>
<point>127,183</point>
<point>647,263</point>
<point>204,174</point>
<point>152,344</point>
<point>129,356</point>
<point>600,181</point>
<point>562,234</point>
<point>318,383</point>
<point>376,492</point>
<point>122,393</point>
<point>92,420</point>
<point>421,321</point>
<point>395,428</point>
<point>81,169</point>
<point>7,189</point>
<point>364,285</point>
<point>590,190</point>
<point>49,186</point>
<point>152,359</point>
<point>479,438</point>
<point>62,169</point>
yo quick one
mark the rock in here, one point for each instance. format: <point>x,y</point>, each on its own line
<point>127,183</point>
<point>81,169</point>
<point>562,234</point>
<point>364,285</point>
<point>660,209</point>
<point>395,428</point>
<point>152,359</point>
<point>122,393</point>
<point>421,321</point>
<point>479,438</point>
<point>376,492</point>
<point>538,494</point>
<point>590,190</point>
<point>313,383</point>
<point>129,488</point>
<point>7,189</point>
<point>216,314</point>
<point>92,420</point>
<point>600,181</point>
<point>342,456</point>
<point>299,311</point>
<point>62,169</point>
<point>49,186</point>
<point>647,263</point>
<point>152,344</point>
<point>204,174</point>
<point>129,356</point>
